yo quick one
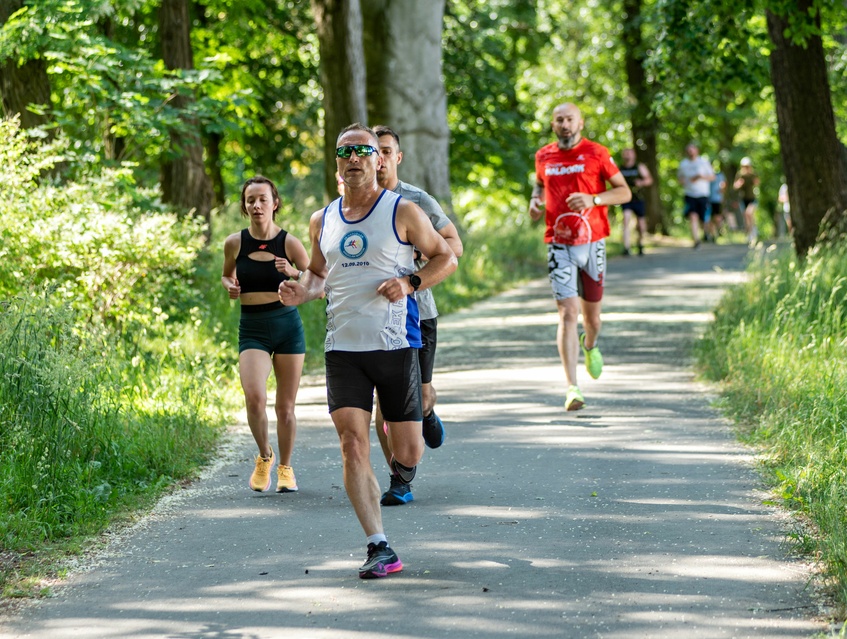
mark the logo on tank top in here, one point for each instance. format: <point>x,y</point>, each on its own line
<point>354,244</point>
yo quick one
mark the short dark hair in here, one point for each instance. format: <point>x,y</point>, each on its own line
<point>259,179</point>
<point>357,126</point>
<point>381,129</point>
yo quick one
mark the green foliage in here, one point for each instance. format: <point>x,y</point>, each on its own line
<point>779,347</point>
<point>488,46</point>
<point>114,99</point>
<point>109,390</point>
<point>500,248</point>
<point>581,62</point>
<point>103,256</point>
<point>76,444</point>
<point>268,52</point>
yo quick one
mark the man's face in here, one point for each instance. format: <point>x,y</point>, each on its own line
<point>567,125</point>
<point>692,151</point>
<point>628,157</point>
<point>358,171</point>
<point>391,157</point>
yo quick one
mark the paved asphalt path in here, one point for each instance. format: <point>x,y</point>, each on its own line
<point>639,516</point>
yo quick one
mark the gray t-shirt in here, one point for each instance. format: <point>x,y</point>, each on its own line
<point>439,219</point>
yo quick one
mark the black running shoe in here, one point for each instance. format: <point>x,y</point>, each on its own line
<point>397,494</point>
<point>405,475</point>
<point>381,561</point>
<point>433,430</point>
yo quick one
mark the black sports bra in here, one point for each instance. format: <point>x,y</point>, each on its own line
<point>256,276</point>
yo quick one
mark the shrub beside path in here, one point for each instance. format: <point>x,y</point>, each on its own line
<point>639,516</point>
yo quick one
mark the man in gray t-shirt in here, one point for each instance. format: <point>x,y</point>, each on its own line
<point>433,429</point>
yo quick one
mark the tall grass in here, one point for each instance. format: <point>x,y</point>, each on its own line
<point>80,438</point>
<point>779,346</point>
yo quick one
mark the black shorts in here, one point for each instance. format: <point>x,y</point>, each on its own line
<point>716,208</point>
<point>275,329</point>
<point>352,376</point>
<point>636,206</point>
<point>429,337</point>
<point>696,205</point>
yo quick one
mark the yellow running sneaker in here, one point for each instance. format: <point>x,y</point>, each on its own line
<point>286,481</point>
<point>593,358</point>
<point>261,478</point>
<point>574,399</point>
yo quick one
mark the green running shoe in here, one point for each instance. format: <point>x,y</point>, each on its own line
<point>574,399</point>
<point>593,358</point>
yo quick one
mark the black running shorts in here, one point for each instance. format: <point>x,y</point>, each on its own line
<point>277,331</point>
<point>352,376</point>
<point>429,337</point>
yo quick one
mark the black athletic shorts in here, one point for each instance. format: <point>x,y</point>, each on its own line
<point>715,208</point>
<point>636,206</point>
<point>429,337</point>
<point>697,205</point>
<point>352,376</point>
<point>273,328</point>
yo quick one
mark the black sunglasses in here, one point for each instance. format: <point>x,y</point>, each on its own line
<point>362,150</point>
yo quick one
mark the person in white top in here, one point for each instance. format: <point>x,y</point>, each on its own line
<point>695,174</point>
<point>363,256</point>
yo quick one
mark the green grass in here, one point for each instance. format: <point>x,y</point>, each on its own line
<point>778,346</point>
<point>87,434</point>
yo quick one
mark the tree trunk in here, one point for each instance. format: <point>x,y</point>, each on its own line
<point>409,95</point>
<point>113,146</point>
<point>22,85</point>
<point>213,153</point>
<point>342,69</point>
<point>184,180</point>
<point>812,155</point>
<point>644,125</point>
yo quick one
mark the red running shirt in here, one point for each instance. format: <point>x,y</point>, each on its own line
<point>583,169</point>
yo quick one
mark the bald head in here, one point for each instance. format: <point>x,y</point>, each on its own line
<point>568,108</point>
<point>567,125</point>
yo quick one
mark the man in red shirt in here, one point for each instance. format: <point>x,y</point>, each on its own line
<point>570,192</point>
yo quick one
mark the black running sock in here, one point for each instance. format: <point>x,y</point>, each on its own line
<point>404,473</point>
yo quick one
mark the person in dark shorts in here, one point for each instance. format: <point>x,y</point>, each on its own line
<point>270,336</point>
<point>637,177</point>
<point>398,492</point>
<point>363,246</point>
<point>695,174</point>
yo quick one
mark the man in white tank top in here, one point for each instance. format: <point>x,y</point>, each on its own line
<point>362,257</point>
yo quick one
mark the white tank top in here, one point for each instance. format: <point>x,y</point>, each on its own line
<point>361,255</point>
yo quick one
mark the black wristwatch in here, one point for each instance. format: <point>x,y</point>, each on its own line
<point>415,281</point>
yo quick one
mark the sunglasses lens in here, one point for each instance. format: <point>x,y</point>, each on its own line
<point>362,150</point>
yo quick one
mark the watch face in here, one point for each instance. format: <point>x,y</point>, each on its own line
<point>415,281</point>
